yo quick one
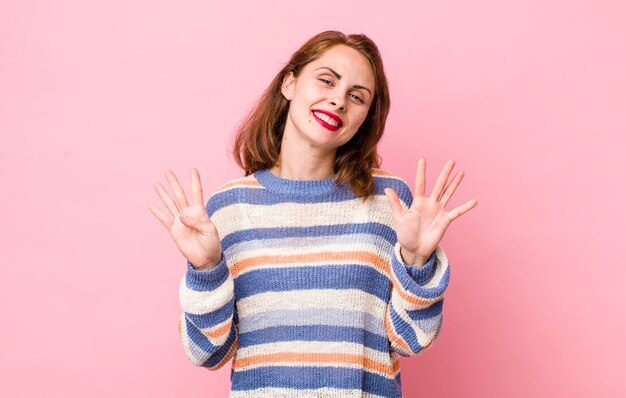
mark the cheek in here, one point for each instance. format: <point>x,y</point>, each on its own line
<point>360,117</point>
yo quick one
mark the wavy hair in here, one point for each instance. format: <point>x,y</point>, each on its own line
<point>259,136</point>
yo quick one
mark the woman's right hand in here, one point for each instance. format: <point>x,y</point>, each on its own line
<point>192,230</point>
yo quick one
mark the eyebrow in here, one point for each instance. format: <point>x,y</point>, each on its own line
<point>338,76</point>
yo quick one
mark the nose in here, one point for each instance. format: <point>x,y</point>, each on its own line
<point>336,102</point>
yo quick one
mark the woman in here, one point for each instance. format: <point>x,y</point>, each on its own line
<point>317,270</point>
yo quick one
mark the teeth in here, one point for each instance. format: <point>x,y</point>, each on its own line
<point>327,119</point>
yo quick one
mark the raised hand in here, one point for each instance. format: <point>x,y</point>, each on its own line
<point>193,232</point>
<point>420,228</point>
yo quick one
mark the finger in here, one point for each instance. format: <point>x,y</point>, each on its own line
<point>394,202</point>
<point>447,194</point>
<point>165,220</point>
<point>442,179</point>
<point>177,190</point>
<point>459,211</point>
<point>196,188</point>
<point>201,224</point>
<point>167,200</point>
<point>420,177</point>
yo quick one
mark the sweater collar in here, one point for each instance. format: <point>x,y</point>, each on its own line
<point>294,187</point>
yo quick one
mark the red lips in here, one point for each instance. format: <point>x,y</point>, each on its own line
<point>330,115</point>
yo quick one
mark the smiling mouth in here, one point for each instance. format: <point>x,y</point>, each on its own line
<point>327,121</point>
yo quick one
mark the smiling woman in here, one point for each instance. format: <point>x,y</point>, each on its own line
<point>320,93</point>
<point>316,270</point>
<point>333,74</point>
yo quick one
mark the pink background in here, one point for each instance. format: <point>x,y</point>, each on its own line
<point>97,100</point>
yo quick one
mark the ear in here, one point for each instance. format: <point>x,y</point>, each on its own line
<point>288,86</point>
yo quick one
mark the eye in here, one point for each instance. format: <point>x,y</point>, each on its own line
<point>356,97</point>
<point>325,81</point>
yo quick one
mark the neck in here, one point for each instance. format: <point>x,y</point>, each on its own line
<point>301,163</point>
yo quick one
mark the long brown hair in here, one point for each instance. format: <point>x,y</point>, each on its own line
<point>258,138</point>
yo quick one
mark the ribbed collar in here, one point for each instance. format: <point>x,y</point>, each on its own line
<point>300,188</point>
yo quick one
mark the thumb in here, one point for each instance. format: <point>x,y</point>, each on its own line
<point>394,202</point>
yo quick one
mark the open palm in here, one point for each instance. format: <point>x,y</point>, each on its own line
<point>421,227</point>
<point>190,227</point>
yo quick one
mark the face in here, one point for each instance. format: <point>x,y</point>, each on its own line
<point>329,98</point>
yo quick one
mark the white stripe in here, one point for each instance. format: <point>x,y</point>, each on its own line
<point>441,265</point>
<point>441,262</point>
<point>326,347</point>
<point>196,355</point>
<point>241,216</point>
<point>305,245</point>
<point>202,302</point>
<point>422,337</point>
<point>310,244</point>
<point>346,299</point>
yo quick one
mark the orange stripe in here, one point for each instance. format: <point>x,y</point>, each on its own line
<point>380,172</point>
<point>213,333</point>
<point>396,364</point>
<point>242,183</point>
<point>396,338</point>
<point>228,355</point>
<point>316,357</point>
<point>361,256</point>
<point>392,335</point>
<point>427,346</point>
<point>410,297</point>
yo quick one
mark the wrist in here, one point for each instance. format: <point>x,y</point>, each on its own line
<point>206,266</point>
<point>410,258</point>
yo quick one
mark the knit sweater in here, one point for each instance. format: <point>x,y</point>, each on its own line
<point>311,297</point>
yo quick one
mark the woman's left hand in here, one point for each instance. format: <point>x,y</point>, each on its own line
<point>420,228</point>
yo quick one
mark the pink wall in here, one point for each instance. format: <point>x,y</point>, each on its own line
<point>97,100</point>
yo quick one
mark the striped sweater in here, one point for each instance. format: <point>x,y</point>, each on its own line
<point>311,297</point>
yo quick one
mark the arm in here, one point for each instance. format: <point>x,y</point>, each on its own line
<point>208,323</point>
<point>414,313</point>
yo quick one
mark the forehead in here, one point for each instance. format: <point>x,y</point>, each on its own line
<point>347,62</point>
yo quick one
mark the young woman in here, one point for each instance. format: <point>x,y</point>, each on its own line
<point>317,270</point>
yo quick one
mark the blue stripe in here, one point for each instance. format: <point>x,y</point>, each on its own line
<point>292,277</point>
<point>404,330</point>
<point>203,281</point>
<point>401,272</point>
<point>421,275</point>
<point>215,353</point>
<point>223,350</point>
<point>431,311</point>
<point>314,316</point>
<point>259,196</point>
<point>311,377</point>
<point>314,333</point>
<point>373,228</point>
<point>213,318</point>
<point>198,338</point>
<point>403,190</point>
<point>256,196</point>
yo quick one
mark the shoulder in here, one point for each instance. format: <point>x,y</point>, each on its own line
<point>238,183</point>
<point>387,179</point>
<point>230,192</point>
<point>382,175</point>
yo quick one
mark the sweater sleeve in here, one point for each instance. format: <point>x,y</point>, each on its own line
<point>414,313</point>
<point>413,317</point>
<point>208,322</point>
